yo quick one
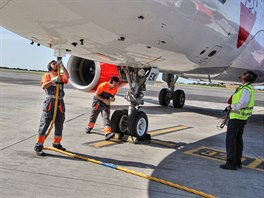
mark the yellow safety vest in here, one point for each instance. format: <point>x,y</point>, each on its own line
<point>245,113</point>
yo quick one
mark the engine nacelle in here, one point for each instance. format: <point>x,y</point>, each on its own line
<point>86,75</point>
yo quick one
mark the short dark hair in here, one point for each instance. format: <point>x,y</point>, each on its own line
<point>251,78</point>
<point>114,79</point>
<point>49,65</point>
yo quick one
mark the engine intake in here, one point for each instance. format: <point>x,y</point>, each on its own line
<point>86,75</point>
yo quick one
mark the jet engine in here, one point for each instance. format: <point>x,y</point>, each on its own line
<point>86,75</point>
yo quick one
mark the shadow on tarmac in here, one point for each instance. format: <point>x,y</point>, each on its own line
<point>217,113</point>
<point>106,160</point>
<point>203,174</point>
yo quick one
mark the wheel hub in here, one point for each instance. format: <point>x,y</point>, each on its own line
<point>141,126</point>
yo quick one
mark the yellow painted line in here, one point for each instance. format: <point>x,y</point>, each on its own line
<point>105,143</point>
<point>218,155</point>
<point>255,163</point>
<point>192,152</point>
<point>167,130</point>
<point>153,133</point>
<point>163,143</point>
<point>212,153</point>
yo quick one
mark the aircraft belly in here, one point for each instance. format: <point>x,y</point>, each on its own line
<point>190,37</point>
<point>252,57</point>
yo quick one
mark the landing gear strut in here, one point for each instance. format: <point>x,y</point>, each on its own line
<point>133,121</point>
<point>166,95</point>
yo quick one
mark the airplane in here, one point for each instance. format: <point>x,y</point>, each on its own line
<point>135,40</point>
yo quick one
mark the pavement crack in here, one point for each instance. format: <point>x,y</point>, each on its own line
<point>76,117</point>
<point>17,142</point>
<point>37,134</point>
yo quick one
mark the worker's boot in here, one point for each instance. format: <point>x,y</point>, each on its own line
<point>110,135</point>
<point>59,146</point>
<point>38,148</point>
<point>228,166</point>
<point>88,130</point>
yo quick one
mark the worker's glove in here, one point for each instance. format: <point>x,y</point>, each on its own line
<point>56,79</point>
<point>59,63</point>
<point>112,99</point>
<point>107,102</point>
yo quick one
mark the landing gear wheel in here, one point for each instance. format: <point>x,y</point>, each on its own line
<point>138,124</point>
<point>119,122</point>
<point>178,98</point>
<point>164,97</point>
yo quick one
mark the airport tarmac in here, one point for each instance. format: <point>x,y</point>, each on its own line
<point>186,147</point>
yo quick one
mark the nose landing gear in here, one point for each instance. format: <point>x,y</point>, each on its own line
<point>132,122</point>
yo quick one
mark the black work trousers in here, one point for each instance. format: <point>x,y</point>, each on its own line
<point>234,141</point>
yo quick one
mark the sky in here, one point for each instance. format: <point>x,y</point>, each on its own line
<point>17,52</point>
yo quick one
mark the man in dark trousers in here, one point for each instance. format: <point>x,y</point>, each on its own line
<point>240,108</point>
<point>48,83</point>
<point>104,94</point>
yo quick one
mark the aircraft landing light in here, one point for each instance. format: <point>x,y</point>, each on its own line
<point>213,154</point>
<point>115,141</point>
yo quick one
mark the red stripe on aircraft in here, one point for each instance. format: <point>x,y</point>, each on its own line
<point>247,21</point>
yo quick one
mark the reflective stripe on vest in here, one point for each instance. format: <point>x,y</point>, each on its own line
<point>245,113</point>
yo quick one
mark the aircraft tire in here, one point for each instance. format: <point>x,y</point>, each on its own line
<point>138,124</point>
<point>164,97</point>
<point>119,121</point>
<point>178,98</point>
